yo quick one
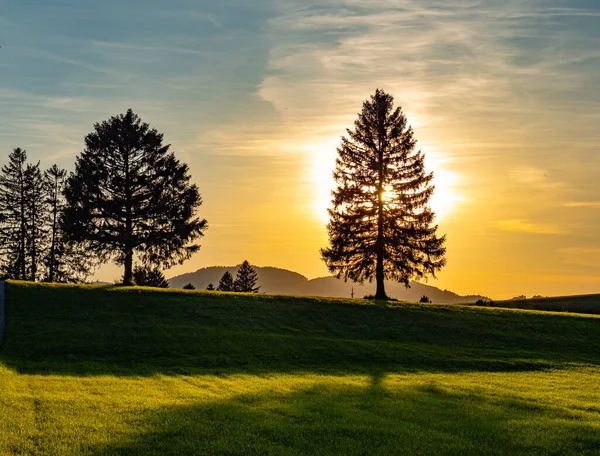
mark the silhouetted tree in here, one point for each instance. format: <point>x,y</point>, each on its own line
<point>189,286</point>
<point>246,279</point>
<point>381,225</point>
<point>210,287</point>
<point>13,207</point>
<point>55,183</point>
<point>36,215</point>
<point>226,282</point>
<point>425,299</point>
<point>149,277</point>
<point>129,195</point>
<point>65,261</point>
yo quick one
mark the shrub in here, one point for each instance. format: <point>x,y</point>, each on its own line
<point>189,286</point>
<point>425,299</point>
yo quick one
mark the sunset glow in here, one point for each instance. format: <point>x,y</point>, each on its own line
<point>502,96</point>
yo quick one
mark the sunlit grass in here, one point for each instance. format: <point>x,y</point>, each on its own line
<point>113,371</point>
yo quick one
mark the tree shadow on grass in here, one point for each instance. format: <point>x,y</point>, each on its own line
<point>137,332</point>
<point>360,420</point>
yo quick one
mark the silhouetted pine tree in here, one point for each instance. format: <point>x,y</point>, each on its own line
<point>189,286</point>
<point>246,279</point>
<point>65,261</point>
<point>55,183</point>
<point>129,195</point>
<point>381,225</point>
<point>36,215</point>
<point>149,277</point>
<point>210,287</point>
<point>226,282</point>
<point>13,207</point>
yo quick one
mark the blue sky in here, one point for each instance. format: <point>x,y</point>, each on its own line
<point>504,98</point>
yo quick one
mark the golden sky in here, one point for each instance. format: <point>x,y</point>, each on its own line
<point>503,98</point>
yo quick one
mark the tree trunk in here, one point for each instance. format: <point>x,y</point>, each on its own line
<point>33,243</point>
<point>51,264</point>
<point>380,293</point>
<point>22,233</point>
<point>128,274</point>
<point>380,244</point>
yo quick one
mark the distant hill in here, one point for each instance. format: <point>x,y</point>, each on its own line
<point>282,281</point>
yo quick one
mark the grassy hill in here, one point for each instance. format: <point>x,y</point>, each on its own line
<point>589,304</point>
<point>107,370</point>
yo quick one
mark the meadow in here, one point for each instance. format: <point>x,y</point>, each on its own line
<point>112,371</point>
<point>589,304</point>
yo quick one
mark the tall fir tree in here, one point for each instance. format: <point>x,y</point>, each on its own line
<point>36,217</point>
<point>226,283</point>
<point>65,261</point>
<point>130,196</point>
<point>55,182</point>
<point>246,279</point>
<point>13,206</point>
<point>381,225</point>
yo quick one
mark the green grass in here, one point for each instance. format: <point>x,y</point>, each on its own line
<point>588,304</point>
<point>107,370</point>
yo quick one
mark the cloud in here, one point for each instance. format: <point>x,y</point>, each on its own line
<point>535,177</point>
<point>588,257</point>
<point>522,226</point>
<point>584,204</point>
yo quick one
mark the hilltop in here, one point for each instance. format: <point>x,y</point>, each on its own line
<point>282,281</point>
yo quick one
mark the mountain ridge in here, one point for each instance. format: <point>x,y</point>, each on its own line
<point>274,280</point>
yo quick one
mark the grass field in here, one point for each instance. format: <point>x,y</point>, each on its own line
<point>92,370</point>
<point>588,304</point>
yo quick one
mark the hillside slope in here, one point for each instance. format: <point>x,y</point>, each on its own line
<point>109,329</point>
<point>589,304</point>
<point>108,370</point>
<point>281,281</point>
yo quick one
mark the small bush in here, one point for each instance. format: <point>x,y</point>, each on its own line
<point>189,286</point>
<point>372,298</point>
<point>425,299</point>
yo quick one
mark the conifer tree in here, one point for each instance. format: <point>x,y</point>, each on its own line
<point>130,196</point>
<point>381,225</point>
<point>65,261</point>
<point>55,182</point>
<point>246,279</point>
<point>13,207</point>
<point>36,216</point>
<point>189,286</point>
<point>210,287</point>
<point>149,277</point>
<point>226,282</point>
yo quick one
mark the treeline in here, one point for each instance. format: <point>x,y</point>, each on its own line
<point>33,243</point>
<point>129,200</point>
<point>244,282</point>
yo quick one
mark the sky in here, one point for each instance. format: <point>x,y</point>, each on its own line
<point>504,98</point>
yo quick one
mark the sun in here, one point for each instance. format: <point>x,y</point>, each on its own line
<point>445,199</point>
<point>446,196</point>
